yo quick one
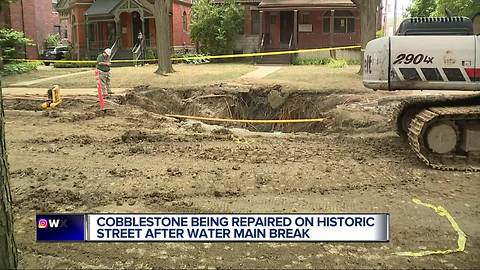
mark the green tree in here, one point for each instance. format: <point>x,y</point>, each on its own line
<point>422,8</point>
<point>12,43</point>
<point>53,40</point>
<point>215,26</point>
<point>466,8</point>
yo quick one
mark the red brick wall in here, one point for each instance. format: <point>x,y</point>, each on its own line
<point>45,20</point>
<point>179,36</point>
<point>317,38</point>
<point>151,32</point>
<point>247,25</point>
<point>126,23</point>
<point>79,30</point>
<point>36,18</point>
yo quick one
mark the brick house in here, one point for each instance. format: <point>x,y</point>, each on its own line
<point>98,24</point>
<point>37,19</point>
<point>299,24</point>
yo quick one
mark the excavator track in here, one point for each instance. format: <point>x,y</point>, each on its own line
<point>416,115</point>
<point>454,160</point>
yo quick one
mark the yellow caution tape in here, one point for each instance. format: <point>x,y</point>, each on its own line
<point>461,241</point>
<point>197,57</point>
<point>250,121</point>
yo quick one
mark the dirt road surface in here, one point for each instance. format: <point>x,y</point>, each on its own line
<point>133,159</point>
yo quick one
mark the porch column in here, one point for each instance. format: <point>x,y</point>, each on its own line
<point>295,28</point>
<point>333,53</point>
<point>331,27</point>
<point>88,35</point>
<point>260,30</point>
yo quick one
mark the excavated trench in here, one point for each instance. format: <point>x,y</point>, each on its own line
<point>340,111</point>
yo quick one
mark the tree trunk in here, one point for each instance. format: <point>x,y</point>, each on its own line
<point>368,19</point>
<point>161,13</point>
<point>8,249</point>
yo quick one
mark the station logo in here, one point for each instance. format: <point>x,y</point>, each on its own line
<point>42,224</point>
<point>52,223</point>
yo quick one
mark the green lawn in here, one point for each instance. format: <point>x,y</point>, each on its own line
<point>318,77</point>
<point>308,77</point>
<point>42,72</point>
<point>124,77</point>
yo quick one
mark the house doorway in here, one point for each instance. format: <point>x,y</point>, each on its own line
<point>286,26</point>
<point>137,27</point>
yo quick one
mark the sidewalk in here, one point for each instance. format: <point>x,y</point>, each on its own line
<point>261,72</point>
<point>28,83</point>
<point>21,91</point>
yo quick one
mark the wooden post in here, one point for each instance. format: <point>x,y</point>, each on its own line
<point>295,28</point>
<point>8,249</point>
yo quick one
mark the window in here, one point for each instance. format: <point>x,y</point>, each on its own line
<point>92,31</point>
<point>255,22</point>
<point>344,25</point>
<point>326,25</point>
<point>343,21</point>
<point>184,21</point>
<point>56,30</point>
<point>305,18</point>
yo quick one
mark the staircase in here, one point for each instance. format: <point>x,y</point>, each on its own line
<point>281,59</point>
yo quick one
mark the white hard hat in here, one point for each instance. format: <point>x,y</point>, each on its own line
<point>108,51</point>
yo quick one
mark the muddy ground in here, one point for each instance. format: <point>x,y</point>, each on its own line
<point>134,159</point>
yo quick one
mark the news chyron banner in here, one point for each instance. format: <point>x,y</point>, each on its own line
<point>213,227</point>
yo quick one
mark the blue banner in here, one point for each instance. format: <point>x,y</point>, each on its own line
<point>60,227</point>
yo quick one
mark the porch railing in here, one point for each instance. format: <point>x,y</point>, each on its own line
<point>138,50</point>
<point>115,47</point>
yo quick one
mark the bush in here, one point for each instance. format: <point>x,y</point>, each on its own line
<point>200,60</point>
<point>311,61</point>
<point>53,40</point>
<point>19,67</point>
<point>73,64</point>
<point>337,63</point>
<point>13,43</point>
<point>380,33</point>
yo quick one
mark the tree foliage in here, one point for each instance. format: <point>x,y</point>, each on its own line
<point>429,8</point>
<point>422,8</point>
<point>215,26</point>
<point>4,3</point>
<point>467,8</point>
<point>53,40</point>
<point>12,43</point>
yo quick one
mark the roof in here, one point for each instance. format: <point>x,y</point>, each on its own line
<point>305,3</point>
<point>102,7</point>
